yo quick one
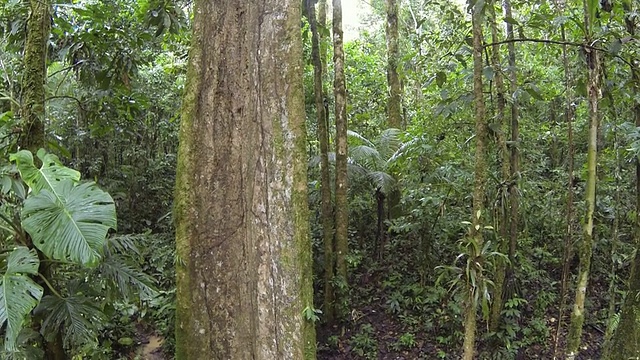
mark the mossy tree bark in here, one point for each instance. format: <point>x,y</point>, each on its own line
<point>32,135</point>
<point>480,179</point>
<point>325,178</point>
<point>586,248</point>
<point>241,212</point>
<point>35,74</point>
<point>342,209</point>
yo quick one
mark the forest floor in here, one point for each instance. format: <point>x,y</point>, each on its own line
<point>398,319</point>
<point>150,346</point>
<point>387,330</point>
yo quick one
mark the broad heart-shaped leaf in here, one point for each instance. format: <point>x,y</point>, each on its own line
<point>18,293</point>
<point>48,176</point>
<point>71,222</point>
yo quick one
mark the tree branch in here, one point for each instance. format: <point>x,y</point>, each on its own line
<point>557,42</point>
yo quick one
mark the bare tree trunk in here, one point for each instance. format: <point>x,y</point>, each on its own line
<point>325,186</point>
<point>593,90</point>
<point>244,287</point>
<point>515,153</point>
<point>340,93</point>
<point>480,179</point>
<point>568,239</point>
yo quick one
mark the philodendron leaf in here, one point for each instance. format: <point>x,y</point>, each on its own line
<point>70,222</point>
<point>48,176</point>
<point>18,293</point>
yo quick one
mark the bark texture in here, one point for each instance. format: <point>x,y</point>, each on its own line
<point>480,178</point>
<point>35,74</point>
<point>340,93</point>
<point>325,178</point>
<point>586,248</point>
<point>244,269</point>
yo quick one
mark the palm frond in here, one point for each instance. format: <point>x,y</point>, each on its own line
<point>358,139</point>
<point>125,279</point>
<point>122,244</point>
<point>380,179</point>
<point>389,142</point>
<point>366,156</point>
<point>75,315</point>
<point>355,171</point>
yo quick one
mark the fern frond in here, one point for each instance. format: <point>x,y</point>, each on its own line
<point>76,316</point>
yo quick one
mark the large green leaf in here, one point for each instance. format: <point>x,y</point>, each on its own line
<point>18,293</point>
<point>70,222</point>
<point>48,176</point>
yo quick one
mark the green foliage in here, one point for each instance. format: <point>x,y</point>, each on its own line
<point>66,220</point>
<point>19,294</point>
<point>364,344</point>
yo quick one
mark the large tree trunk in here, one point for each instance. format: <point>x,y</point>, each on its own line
<point>35,74</point>
<point>340,93</point>
<point>480,179</point>
<point>244,269</point>
<point>325,178</point>
<point>586,248</point>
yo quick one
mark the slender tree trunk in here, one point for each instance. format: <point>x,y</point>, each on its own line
<point>244,287</point>
<point>502,213</point>
<point>625,343</point>
<point>394,101</point>
<point>568,238</point>
<point>35,74</point>
<point>340,93</point>
<point>515,153</point>
<point>394,107</point>
<point>586,248</point>
<point>325,186</point>
<point>615,226</point>
<point>480,179</point>
<point>380,237</point>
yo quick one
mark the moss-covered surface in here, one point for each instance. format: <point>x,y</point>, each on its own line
<point>625,343</point>
<point>244,276</point>
<point>35,62</point>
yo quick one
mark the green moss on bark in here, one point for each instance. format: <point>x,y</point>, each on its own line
<point>35,64</point>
